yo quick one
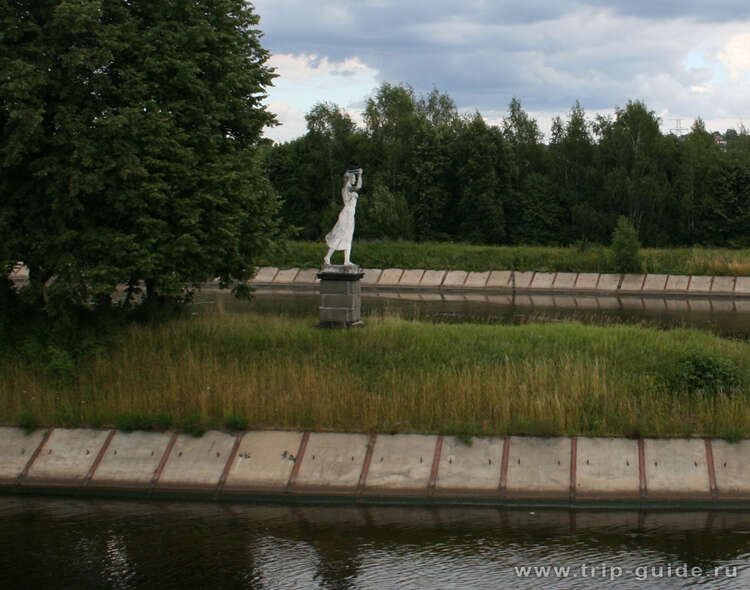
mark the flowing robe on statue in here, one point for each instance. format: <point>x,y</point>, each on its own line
<point>340,237</point>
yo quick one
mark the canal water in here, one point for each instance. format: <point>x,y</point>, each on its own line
<point>80,544</point>
<point>725,317</point>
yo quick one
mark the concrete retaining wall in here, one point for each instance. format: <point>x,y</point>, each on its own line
<point>357,467</point>
<point>504,280</point>
<point>512,281</point>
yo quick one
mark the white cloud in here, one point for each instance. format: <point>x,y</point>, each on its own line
<point>305,67</point>
<point>306,79</point>
<point>736,56</point>
<point>291,122</point>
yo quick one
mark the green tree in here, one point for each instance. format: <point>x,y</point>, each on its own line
<point>698,167</point>
<point>381,214</point>
<point>573,172</point>
<point>128,144</point>
<point>526,165</point>
<point>525,139</point>
<point>725,214</point>
<point>633,164</point>
<point>433,170</point>
<point>626,248</point>
<point>391,121</point>
<point>539,221</point>
<point>484,182</point>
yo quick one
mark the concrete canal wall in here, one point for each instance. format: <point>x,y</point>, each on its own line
<point>506,280</point>
<point>305,466</point>
<point>501,281</point>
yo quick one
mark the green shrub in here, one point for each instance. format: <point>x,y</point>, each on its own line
<point>236,422</point>
<point>626,249</point>
<point>192,425</point>
<point>28,421</point>
<point>465,434</point>
<point>733,434</point>
<point>130,422</point>
<point>161,421</point>
<point>701,373</point>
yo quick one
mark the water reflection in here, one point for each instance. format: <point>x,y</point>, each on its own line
<point>59,543</point>
<point>726,317</point>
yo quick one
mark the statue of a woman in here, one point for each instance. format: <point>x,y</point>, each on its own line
<point>340,237</point>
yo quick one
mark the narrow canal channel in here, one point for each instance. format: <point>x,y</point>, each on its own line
<point>81,544</point>
<point>723,316</point>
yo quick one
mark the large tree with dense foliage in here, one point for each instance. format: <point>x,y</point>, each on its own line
<point>128,139</point>
<point>484,182</point>
<point>635,170</point>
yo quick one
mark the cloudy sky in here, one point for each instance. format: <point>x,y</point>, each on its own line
<point>684,58</point>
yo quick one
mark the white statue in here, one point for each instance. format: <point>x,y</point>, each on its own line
<point>340,237</point>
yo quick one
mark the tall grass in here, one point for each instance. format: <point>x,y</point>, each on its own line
<point>449,256</point>
<point>392,376</point>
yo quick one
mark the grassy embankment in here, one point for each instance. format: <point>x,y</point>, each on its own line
<point>447,256</point>
<point>249,371</point>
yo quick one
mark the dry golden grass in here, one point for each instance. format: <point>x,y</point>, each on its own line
<point>391,376</point>
<point>719,262</point>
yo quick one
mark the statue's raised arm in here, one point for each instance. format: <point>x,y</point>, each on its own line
<point>340,237</point>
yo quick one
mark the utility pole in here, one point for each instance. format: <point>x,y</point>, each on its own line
<point>678,129</point>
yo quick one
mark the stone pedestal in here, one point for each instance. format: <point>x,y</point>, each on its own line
<point>340,296</point>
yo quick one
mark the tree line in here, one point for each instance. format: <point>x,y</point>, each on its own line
<point>432,174</point>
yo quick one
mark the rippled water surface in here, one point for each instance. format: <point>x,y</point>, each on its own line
<point>64,543</point>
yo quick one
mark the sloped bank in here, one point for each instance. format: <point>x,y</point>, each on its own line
<point>523,282</point>
<point>293,466</point>
<point>510,281</point>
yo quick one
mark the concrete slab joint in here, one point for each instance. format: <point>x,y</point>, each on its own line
<point>676,467</point>
<point>476,280</point>
<point>411,277</point>
<point>131,459</point>
<point>17,451</point>
<point>433,278</point>
<point>543,280</point>
<point>523,280</point>
<point>390,277</point>
<point>368,467</point>
<point>609,282</point>
<point>67,457</point>
<point>196,463</point>
<point>401,463</point>
<point>607,467</point>
<point>539,467</point>
<point>265,274</point>
<point>264,460</point>
<point>565,280</point>
<point>723,285</point>
<point>286,275</point>
<point>332,461</point>
<point>466,470</point>
<point>455,278</point>
<point>586,281</point>
<point>500,279</point>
